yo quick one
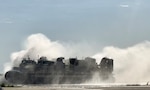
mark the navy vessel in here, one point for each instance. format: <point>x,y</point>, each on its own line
<point>60,71</point>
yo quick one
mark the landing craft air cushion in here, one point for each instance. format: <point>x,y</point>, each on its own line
<point>57,72</point>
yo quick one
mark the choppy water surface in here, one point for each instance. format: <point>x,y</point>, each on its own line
<point>79,87</point>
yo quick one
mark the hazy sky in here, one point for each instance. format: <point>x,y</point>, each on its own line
<point>120,23</point>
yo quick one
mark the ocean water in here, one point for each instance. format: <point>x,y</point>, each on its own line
<point>79,87</point>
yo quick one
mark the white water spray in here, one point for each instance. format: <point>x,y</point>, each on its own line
<point>131,65</point>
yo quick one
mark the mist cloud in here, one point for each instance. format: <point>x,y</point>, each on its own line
<point>37,45</point>
<point>131,64</point>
